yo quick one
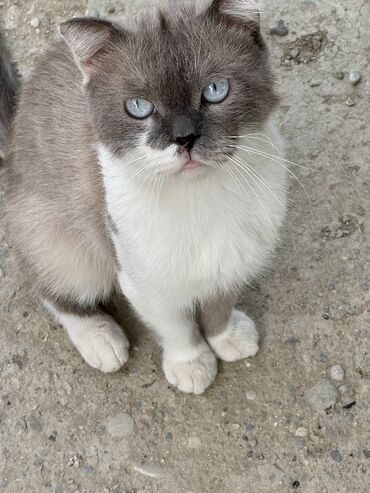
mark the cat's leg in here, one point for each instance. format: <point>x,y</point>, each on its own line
<point>98,338</point>
<point>230,332</point>
<point>188,362</point>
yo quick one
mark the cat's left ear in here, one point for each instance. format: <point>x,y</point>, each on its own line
<point>243,13</point>
<point>88,39</point>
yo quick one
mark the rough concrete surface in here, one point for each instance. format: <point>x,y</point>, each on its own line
<point>283,421</point>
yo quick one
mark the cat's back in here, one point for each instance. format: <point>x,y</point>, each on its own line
<point>54,193</point>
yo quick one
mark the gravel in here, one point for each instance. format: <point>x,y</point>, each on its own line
<point>322,396</point>
<point>336,455</point>
<point>151,471</point>
<point>58,488</point>
<point>121,425</point>
<point>35,22</point>
<point>251,395</point>
<point>336,372</point>
<point>281,29</point>
<point>301,432</point>
<point>355,77</point>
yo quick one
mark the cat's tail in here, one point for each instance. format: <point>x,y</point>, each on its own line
<point>8,90</point>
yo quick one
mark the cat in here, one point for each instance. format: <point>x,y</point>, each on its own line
<point>140,160</point>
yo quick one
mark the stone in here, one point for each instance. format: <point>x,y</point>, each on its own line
<point>295,53</point>
<point>151,471</point>
<point>251,395</point>
<point>336,372</point>
<point>280,29</point>
<point>58,488</point>
<point>350,101</point>
<point>42,452</point>
<point>121,425</point>
<point>336,455</point>
<point>35,22</point>
<point>355,77</point>
<point>33,424</point>
<point>323,358</point>
<point>322,396</point>
<point>301,432</point>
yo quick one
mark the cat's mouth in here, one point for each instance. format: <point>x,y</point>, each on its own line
<point>191,164</point>
<point>189,161</point>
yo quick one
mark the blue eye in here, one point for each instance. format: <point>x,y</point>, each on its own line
<point>216,91</point>
<point>139,108</point>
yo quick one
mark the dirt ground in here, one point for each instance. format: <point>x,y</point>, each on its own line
<point>285,420</point>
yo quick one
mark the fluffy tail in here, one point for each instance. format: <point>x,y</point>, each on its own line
<point>8,90</point>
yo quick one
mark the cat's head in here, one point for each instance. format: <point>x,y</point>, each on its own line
<point>174,88</point>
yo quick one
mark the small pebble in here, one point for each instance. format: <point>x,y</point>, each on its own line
<point>33,424</point>
<point>121,425</point>
<point>323,358</point>
<point>336,455</point>
<point>42,452</point>
<point>251,395</point>
<point>355,77</point>
<point>22,423</point>
<point>35,22</point>
<point>295,53</point>
<point>322,396</point>
<point>89,469</point>
<point>111,10</point>
<point>350,101</point>
<point>151,471</point>
<point>337,373</point>
<point>301,432</point>
<point>58,488</point>
<point>280,29</point>
<point>315,83</point>
<point>169,436</point>
<point>250,427</point>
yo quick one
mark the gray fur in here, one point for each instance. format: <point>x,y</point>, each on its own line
<point>55,198</point>
<point>8,90</point>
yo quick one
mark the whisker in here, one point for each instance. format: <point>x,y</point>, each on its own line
<point>258,177</point>
<point>280,164</point>
<point>256,195</point>
<point>266,154</point>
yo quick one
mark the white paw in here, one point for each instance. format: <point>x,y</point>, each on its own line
<point>191,376</point>
<point>238,341</point>
<point>103,345</point>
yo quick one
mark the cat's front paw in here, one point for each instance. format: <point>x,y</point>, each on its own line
<point>104,346</point>
<point>192,376</point>
<point>238,341</point>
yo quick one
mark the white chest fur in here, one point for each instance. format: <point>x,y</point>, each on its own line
<point>193,238</point>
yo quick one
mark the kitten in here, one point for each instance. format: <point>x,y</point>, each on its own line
<point>139,159</point>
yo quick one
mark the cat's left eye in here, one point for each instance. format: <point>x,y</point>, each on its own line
<point>216,91</point>
<point>139,108</point>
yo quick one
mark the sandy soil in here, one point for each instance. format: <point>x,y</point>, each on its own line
<point>262,427</point>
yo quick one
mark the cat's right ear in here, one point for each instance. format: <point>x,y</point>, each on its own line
<point>88,38</point>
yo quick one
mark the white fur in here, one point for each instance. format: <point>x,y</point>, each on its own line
<point>238,341</point>
<point>99,339</point>
<point>185,236</point>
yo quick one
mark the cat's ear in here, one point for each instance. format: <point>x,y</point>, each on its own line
<point>244,13</point>
<point>88,38</point>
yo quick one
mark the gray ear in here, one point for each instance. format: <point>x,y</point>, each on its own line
<point>238,11</point>
<point>88,37</point>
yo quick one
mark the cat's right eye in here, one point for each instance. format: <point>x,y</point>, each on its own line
<point>139,108</point>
